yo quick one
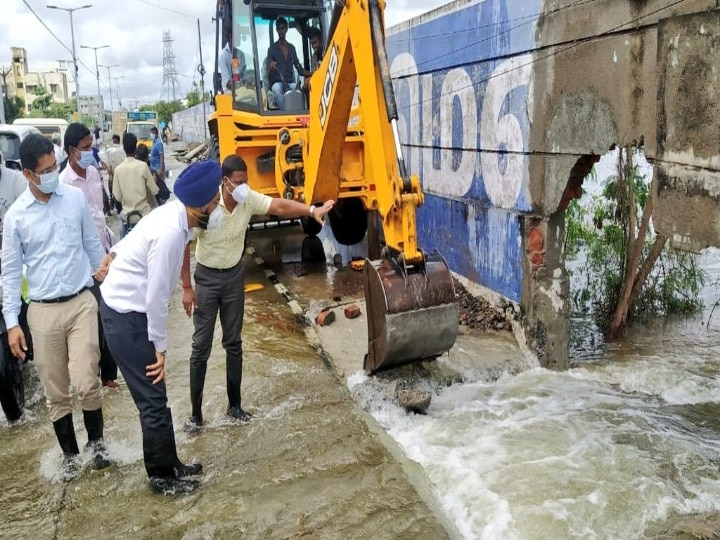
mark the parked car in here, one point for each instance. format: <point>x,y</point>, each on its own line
<point>10,138</point>
<point>47,126</point>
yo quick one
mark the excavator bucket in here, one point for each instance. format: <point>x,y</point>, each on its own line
<point>412,313</point>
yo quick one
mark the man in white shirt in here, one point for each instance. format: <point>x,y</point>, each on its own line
<point>112,156</point>
<point>134,309</point>
<point>225,65</point>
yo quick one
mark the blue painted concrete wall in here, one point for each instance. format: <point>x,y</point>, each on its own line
<point>462,77</point>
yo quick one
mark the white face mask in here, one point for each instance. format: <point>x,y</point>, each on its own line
<point>49,182</point>
<point>215,219</point>
<point>240,193</point>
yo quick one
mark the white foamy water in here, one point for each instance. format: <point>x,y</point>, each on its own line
<point>608,450</point>
<point>559,455</point>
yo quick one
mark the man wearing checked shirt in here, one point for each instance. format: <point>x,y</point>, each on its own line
<point>220,280</point>
<point>49,229</point>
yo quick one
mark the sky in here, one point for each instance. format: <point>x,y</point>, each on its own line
<point>134,30</point>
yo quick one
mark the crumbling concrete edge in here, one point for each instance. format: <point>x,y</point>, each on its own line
<point>512,311</point>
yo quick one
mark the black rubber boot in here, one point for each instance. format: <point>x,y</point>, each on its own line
<point>161,462</point>
<point>180,470</point>
<point>239,415</point>
<point>193,425</point>
<point>197,382</point>
<point>94,426</point>
<point>65,433</point>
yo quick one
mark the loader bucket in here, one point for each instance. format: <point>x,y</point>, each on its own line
<point>411,316</point>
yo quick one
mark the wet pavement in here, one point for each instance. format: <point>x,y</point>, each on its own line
<point>312,463</point>
<point>309,464</point>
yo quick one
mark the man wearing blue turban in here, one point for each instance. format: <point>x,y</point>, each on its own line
<point>143,270</point>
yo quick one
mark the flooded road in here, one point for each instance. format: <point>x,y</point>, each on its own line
<point>625,445</point>
<point>307,465</point>
<point>311,463</point>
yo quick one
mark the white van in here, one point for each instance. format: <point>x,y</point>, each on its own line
<point>10,138</point>
<point>47,126</point>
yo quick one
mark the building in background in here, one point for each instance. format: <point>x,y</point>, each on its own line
<point>92,107</point>
<point>23,83</point>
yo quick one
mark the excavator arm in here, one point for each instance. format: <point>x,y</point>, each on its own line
<point>411,306</point>
<point>355,55</point>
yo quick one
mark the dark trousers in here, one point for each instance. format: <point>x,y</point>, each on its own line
<point>224,291</point>
<point>108,367</point>
<point>127,337</point>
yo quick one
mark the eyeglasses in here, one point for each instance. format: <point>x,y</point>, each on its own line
<point>47,171</point>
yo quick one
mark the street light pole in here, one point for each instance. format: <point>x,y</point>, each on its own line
<point>109,82</point>
<point>117,89</point>
<point>72,34</point>
<point>97,74</point>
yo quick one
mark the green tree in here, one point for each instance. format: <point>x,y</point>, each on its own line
<point>193,96</point>
<point>164,109</point>
<point>43,100</point>
<point>59,110</point>
<point>630,271</point>
<point>14,108</point>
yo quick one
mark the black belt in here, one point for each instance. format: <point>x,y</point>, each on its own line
<point>221,270</point>
<point>61,299</point>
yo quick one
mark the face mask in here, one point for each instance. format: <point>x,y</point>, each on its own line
<point>215,219</point>
<point>49,182</point>
<point>240,193</point>
<point>153,136</point>
<point>86,159</point>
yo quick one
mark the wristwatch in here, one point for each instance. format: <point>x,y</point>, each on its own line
<point>312,211</point>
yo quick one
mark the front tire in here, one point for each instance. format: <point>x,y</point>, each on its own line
<point>348,221</point>
<point>214,148</point>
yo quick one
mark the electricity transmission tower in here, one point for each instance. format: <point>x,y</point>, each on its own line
<point>170,90</point>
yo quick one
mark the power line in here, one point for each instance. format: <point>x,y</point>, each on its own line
<point>59,40</point>
<point>529,18</point>
<point>554,53</point>
<point>47,27</point>
<point>505,31</point>
<point>165,9</point>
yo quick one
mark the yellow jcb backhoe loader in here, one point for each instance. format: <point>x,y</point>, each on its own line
<point>307,101</point>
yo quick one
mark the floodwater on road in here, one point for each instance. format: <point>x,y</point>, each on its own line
<point>307,465</point>
<point>625,445</point>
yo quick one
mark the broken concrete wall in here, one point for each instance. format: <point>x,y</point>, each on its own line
<point>502,104</point>
<point>688,164</point>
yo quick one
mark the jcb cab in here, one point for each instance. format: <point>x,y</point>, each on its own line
<point>324,126</point>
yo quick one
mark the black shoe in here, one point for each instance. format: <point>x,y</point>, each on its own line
<point>70,468</point>
<point>236,413</point>
<point>193,425</point>
<point>100,455</point>
<point>172,486</point>
<point>183,471</point>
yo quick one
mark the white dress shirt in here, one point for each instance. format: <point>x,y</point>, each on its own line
<point>58,243</point>
<point>146,268</point>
